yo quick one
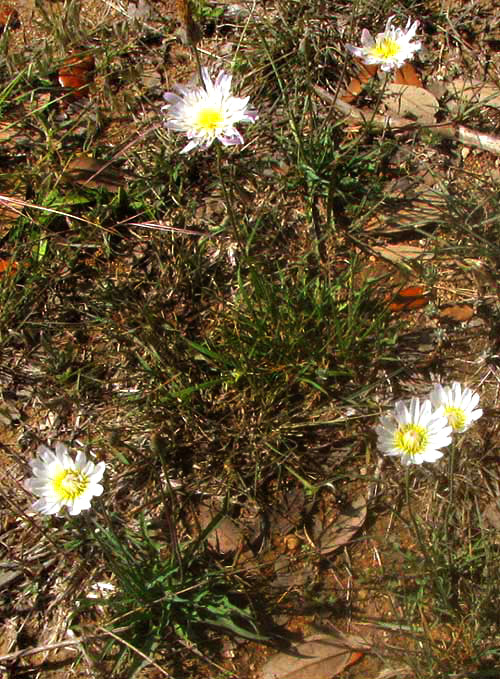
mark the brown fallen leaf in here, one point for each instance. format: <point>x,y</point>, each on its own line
<point>10,210</point>
<point>226,537</point>
<point>398,252</point>
<point>76,74</point>
<point>395,673</point>
<point>285,515</point>
<point>410,100</point>
<point>140,10</point>
<point>423,206</point>
<point>320,656</point>
<point>446,130</point>
<point>410,298</point>
<point>8,131</point>
<point>365,73</point>
<point>352,90</point>
<point>457,312</point>
<point>407,75</point>
<point>334,531</point>
<point>95,174</point>
<point>289,574</point>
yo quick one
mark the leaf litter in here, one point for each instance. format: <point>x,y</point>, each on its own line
<point>329,529</point>
<point>319,656</point>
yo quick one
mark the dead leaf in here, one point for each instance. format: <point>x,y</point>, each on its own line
<point>226,536</point>
<point>410,298</point>
<point>353,89</point>
<point>400,251</point>
<point>151,79</point>
<point>76,74</point>
<point>365,73</point>
<point>8,266</point>
<point>423,205</point>
<point>437,87</point>
<point>286,515</point>
<point>411,101</point>
<point>407,75</point>
<point>9,631</point>
<point>81,170</point>
<point>457,312</point>
<point>140,10</point>
<point>290,574</point>
<point>9,212</point>
<point>395,673</point>
<point>320,656</point>
<point>9,16</point>
<point>335,531</point>
<point>475,92</point>
<point>8,131</point>
<point>491,514</point>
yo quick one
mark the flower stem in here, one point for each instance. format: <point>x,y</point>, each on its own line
<point>228,197</point>
<point>379,97</point>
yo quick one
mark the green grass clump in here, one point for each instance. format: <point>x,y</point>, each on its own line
<point>161,593</point>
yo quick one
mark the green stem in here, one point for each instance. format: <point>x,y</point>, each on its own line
<point>227,197</point>
<point>379,98</point>
<point>413,519</point>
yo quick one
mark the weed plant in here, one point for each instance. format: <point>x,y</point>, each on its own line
<point>162,592</point>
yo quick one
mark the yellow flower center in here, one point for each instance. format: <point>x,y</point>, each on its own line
<point>411,439</point>
<point>70,484</point>
<point>208,119</point>
<point>456,417</point>
<point>386,49</point>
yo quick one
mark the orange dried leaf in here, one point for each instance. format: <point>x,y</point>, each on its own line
<point>355,656</point>
<point>457,313</point>
<point>365,74</point>
<point>366,71</point>
<point>407,75</point>
<point>76,74</point>
<point>9,16</point>
<point>8,266</point>
<point>407,299</point>
<point>353,89</point>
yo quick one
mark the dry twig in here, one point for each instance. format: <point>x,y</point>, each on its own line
<point>447,129</point>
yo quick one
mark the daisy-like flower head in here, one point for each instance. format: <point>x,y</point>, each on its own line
<point>59,481</point>
<point>391,48</point>
<point>459,405</point>
<point>207,113</point>
<point>414,432</point>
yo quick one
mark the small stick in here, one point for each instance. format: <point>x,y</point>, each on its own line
<point>47,647</point>
<point>447,129</point>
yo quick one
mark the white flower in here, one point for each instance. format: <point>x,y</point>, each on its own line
<point>207,113</point>
<point>458,404</point>
<point>391,48</point>
<point>414,432</point>
<point>59,481</point>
